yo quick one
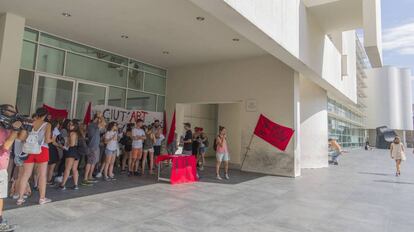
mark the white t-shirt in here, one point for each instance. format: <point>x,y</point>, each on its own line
<point>113,144</point>
<point>56,132</point>
<point>159,140</point>
<point>137,132</point>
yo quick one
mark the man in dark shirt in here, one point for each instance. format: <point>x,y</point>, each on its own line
<point>188,140</point>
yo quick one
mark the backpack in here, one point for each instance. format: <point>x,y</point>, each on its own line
<point>32,146</point>
<point>206,143</point>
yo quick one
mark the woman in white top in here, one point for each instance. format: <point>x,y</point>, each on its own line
<point>43,133</point>
<point>397,151</point>
<point>111,141</point>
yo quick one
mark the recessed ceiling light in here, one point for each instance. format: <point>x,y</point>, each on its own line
<point>66,14</point>
<point>236,39</point>
<point>165,52</point>
<point>199,18</point>
<point>124,36</point>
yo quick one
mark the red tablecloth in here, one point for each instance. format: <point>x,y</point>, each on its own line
<point>184,168</point>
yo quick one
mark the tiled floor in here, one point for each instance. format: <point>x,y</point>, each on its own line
<point>361,194</point>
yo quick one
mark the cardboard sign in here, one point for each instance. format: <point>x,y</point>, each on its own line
<point>123,116</point>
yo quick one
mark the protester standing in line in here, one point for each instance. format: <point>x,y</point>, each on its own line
<point>203,141</point>
<point>196,142</point>
<point>397,151</point>
<point>138,136</point>
<point>111,150</point>
<point>7,137</point>
<point>43,132</point>
<point>187,140</point>
<point>94,140</point>
<point>159,138</point>
<point>19,157</point>
<point>64,137</point>
<point>148,150</point>
<point>71,156</point>
<point>53,151</point>
<point>126,141</point>
<point>222,153</point>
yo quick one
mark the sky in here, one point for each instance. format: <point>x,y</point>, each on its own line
<point>398,33</point>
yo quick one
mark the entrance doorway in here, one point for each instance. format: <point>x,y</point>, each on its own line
<point>66,93</point>
<point>210,116</point>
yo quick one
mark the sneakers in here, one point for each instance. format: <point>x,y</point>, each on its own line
<point>93,181</point>
<point>61,188</point>
<point>75,187</point>
<point>58,179</point>
<point>98,175</point>
<point>5,227</point>
<point>86,183</point>
<point>20,201</point>
<point>44,201</point>
<point>219,177</point>
<point>17,196</point>
<point>112,177</point>
<point>130,174</point>
<point>107,178</point>
<point>227,176</point>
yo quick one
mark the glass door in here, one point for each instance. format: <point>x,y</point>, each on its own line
<point>54,92</point>
<point>85,93</point>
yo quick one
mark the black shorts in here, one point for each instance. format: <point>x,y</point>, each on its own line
<point>128,148</point>
<point>72,152</point>
<point>53,154</point>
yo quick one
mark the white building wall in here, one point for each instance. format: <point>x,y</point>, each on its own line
<point>389,97</point>
<point>265,79</point>
<point>314,125</point>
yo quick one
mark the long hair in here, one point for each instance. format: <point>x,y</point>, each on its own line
<point>40,112</point>
<point>76,128</point>
<point>397,140</point>
<point>110,126</point>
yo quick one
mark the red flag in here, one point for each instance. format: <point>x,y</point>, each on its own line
<point>164,126</point>
<point>172,130</point>
<point>87,118</point>
<point>275,134</point>
<point>56,113</point>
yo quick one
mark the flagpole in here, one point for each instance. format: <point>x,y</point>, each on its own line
<point>247,150</point>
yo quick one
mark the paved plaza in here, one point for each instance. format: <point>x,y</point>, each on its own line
<point>361,194</point>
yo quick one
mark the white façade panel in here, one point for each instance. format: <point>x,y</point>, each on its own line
<point>406,99</point>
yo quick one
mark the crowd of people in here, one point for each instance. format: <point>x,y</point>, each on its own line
<point>54,151</point>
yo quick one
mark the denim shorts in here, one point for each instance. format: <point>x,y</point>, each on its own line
<point>4,180</point>
<point>222,157</point>
<point>110,153</point>
<point>202,150</point>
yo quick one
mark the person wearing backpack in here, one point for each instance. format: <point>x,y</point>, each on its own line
<point>36,146</point>
<point>202,150</point>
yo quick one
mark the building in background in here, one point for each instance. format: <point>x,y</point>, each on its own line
<point>218,62</point>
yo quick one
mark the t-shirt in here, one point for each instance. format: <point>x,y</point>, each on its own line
<point>188,136</point>
<point>4,153</point>
<point>137,132</point>
<point>56,132</point>
<point>93,136</point>
<point>112,145</point>
<point>158,141</point>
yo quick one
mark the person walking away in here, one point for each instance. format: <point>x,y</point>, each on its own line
<point>7,137</point>
<point>397,151</point>
<point>111,141</point>
<point>187,140</point>
<point>94,139</point>
<point>222,153</point>
<point>41,135</point>
<point>138,136</point>
<point>148,150</point>
<point>71,156</point>
<point>336,151</point>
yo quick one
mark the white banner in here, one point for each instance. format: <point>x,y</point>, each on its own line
<point>123,116</point>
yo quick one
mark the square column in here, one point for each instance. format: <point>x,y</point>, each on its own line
<point>11,40</point>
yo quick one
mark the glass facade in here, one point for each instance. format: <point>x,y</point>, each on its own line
<point>59,66</point>
<point>345,125</point>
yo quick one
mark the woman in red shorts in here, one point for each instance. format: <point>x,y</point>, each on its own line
<point>44,135</point>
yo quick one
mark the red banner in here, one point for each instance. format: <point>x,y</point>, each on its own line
<point>87,118</point>
<point>171,133</point>
<point>56,113</point>
<point>273,133</point>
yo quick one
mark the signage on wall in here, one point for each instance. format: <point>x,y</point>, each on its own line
<point>251,105</point>
<point>123,116</point>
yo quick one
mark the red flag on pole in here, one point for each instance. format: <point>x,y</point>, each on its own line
<point>56,113</point>
<point>172,130</point>
<point>87,118</point>
<point>164,126</point>
<point>273,133</point>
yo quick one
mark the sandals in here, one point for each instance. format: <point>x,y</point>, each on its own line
<point>20,202</point>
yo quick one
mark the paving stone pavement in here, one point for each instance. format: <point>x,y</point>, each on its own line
<point>361,194</point>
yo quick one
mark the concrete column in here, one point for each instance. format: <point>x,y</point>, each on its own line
<point>404,138</point>
<point>11,40</point>
<point>313,124</point>
<point>296,124</point>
